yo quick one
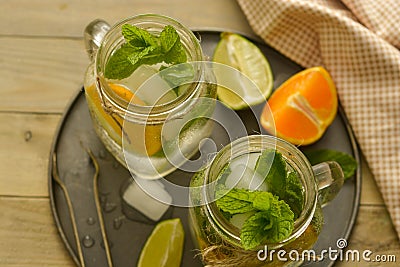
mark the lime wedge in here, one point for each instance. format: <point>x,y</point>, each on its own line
<point>239,53</point>
<point>164,246</point>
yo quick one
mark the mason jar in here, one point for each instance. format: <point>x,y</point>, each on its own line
<point>148,124</point>
<point>218,239</point>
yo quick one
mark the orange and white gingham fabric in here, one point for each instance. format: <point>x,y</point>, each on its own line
<point>357,41</point>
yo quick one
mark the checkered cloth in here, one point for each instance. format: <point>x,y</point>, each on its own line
<point>357,41</point>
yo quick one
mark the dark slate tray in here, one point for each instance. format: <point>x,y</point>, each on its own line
<point>126,231</point>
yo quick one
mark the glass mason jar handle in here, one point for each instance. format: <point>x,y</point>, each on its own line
<point>330,180</point>
<point>93,35</point>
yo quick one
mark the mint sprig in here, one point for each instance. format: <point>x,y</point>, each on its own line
<point>236,201</point>
<point>142,47</point>
<point>273,225</point>
<point>272,213</point>
<point>273,221</point>
<point>272,166</point>
<point>293,195</point>
<point>281,182</point>
<point>119,66</point>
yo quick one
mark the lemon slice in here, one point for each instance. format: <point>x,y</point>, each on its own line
<point>164,246</point>
<point>241,54</point>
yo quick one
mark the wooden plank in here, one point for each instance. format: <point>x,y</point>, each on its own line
<point>28,236</point>
<point>69,18</point>
<point>25,140</point>
<point>373,231</point>
<point>40,75</point>
<point>370,192</point>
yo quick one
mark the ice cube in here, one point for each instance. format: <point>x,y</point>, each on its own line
<point>243,177</point>
<point>151,87</point>
<point>249,160</point>
<point>257,183</point>
<point>150,198</point>
<point>236,175</point>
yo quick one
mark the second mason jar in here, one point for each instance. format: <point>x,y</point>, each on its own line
<point>152,120</point>
<point>238,166</point>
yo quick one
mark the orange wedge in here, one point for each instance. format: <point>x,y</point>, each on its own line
<point>126,94</point>
<point>112,125</point>
<point>302,107</point>
<point>144,139</point>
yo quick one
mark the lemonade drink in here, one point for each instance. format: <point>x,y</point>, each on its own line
<point>226,200</point>
<point>152,110</point>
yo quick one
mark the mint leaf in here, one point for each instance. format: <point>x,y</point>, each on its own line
<point>272,166</point>
<point>119,66</point>
<point>177,75</point>
<point>142,47</point>
<point>236,201</point>
<point>286,185</point>
<point>284,223</point>
<point>346,161</point>
<point>176,54</point>
<point>253,232</point>
<point>138,37</point>
<point>172,47</point>
<point>263,200</point>
<point>138,55</point>
<point>272,225</point>
<point>273,220</point>
<point>294,193</point>
<point>168,38</point>
<point>234,206</point>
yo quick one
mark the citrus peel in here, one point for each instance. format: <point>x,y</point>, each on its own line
<point>248,60</point>
<point>164,247</point>
<point>302,107</point>
<point>144,139</point>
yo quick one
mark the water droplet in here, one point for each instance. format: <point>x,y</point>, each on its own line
<point>27,135</point>
<point>102,154</point>
<point>88,241</point>
<point>117,223</point>
<point>102,193</point>
<point>103,200</point>
<point>109,207</point>
<point>84,162</point>
<point>74,172</point>
<point>91,221</point>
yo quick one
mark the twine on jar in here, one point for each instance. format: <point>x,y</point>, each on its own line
<point>229,256</point>
<point>108,108</point>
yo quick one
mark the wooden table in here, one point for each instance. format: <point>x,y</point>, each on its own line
<point>42,64</point>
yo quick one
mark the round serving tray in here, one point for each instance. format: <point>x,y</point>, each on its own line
<point>128,230</point>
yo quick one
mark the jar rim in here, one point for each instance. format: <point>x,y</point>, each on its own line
<point>113,39</point>
<point>257,143</point>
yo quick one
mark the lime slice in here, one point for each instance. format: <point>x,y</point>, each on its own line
<point>164,246</point>
<point>239,53</point>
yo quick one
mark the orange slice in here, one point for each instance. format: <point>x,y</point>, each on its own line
<point>302,107</point>
<point>111,124</point>
<point>126,94</point>
<point>144,139</point>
